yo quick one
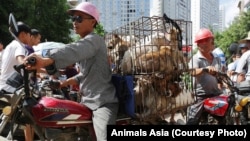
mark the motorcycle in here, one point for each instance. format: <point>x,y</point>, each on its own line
<point>225,109</point>
<point>51,118</point>
<point>244,102</point>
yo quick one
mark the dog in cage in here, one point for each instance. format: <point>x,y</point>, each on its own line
<point>152,105</point>
<point>157,38</point>
<point>167,85</point>
<point>167,58</point>
<point>131,63</point>
<point>132,60</point>
<point>159,60</point>
<point>117,46</point>
<point>179,58</point>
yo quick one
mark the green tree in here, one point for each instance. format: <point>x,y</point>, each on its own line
<point>237,31</point>
<point>48,16</point>
<point>99,29</point>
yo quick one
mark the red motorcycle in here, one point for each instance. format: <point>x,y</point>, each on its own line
<point>222,109</point>
<point>51,118</point>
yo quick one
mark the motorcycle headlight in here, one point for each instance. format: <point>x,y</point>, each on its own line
<point>7,110</point>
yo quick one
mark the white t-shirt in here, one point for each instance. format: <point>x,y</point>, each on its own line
<point>232,67</point>
<point>244,60</point>
<point>11,51</point>
<point>220,54</point>
<point>1,54</point>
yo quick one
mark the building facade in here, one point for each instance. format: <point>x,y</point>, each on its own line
<point>222,18</point>
<point>204,14</point>
<point>174,9</point>
<point>116,13</point>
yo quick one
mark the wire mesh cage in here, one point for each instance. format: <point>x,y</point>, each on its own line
<point>155,51</point>
<point>149,45</point>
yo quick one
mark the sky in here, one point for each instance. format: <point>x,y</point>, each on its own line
<point>231,10</point>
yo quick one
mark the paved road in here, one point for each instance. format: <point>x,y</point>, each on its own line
<point>3,139</point>
<point>178,117</point>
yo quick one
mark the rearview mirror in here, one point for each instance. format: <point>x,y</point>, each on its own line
<point>12,24</point>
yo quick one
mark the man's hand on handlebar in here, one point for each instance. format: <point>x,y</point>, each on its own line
<point>210,69</point>
<point>40,62</point>
<point>32,66</point>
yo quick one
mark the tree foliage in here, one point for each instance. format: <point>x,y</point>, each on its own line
<point>236,31</point>
<point>99,29</point>
<point>48,16</point>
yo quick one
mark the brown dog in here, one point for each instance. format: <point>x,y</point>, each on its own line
<point>150,104</point>
<point>157,61</point>
<point>116,49</point>
<point>168,58</point>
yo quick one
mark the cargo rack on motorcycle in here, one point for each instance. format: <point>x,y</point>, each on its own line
<point>150,56</point>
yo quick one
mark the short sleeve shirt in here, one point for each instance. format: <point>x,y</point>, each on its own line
<point>10,54</point>
<point>243,61</point>
<point>205,84</point>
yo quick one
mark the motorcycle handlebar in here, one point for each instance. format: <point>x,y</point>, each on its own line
<point>226,79</point>
<point>221,73</point>
<point>31,61</point>
<point>217,72</point>
<point>221,76</point>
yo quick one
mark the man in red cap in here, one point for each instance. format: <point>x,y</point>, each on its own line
<point>94,78</point>
<point>204,64</point>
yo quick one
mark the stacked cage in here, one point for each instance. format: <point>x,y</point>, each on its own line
<point>154,50</point>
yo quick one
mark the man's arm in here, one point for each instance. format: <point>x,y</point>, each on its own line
<point>69,81</point>
<point>20,59</point>
<point>196,71</point>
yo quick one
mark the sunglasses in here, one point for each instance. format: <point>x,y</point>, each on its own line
<point>78,19</point>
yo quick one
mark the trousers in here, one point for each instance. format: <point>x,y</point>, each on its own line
<point>103,116</point>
